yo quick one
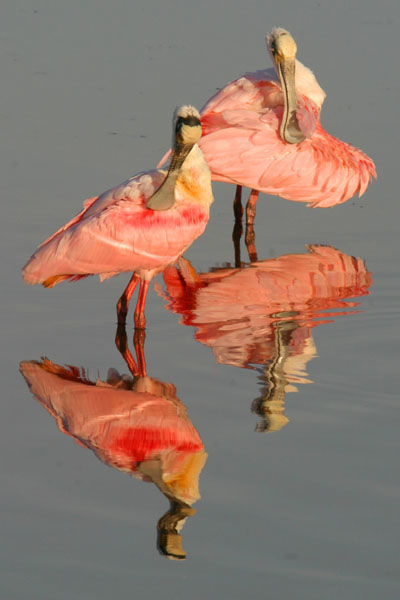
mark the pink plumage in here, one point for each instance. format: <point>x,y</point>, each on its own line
<point>123,422</point>
<point>118,232</point>
<point>235,311</point>
<point>243,145</point>
<point>115,233</point>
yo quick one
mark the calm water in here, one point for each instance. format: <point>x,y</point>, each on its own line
<point>299,490</point>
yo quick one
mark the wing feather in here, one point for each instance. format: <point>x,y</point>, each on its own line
<point>117,233</point>
<point>242,145</point>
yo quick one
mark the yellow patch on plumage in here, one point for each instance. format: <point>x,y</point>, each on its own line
<point>185,484</point>
<point>194,180</point>
<point>192,191</point>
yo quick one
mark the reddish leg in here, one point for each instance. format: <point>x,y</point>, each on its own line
<point>140,319</point>
<point>123,302</point>
<point>250,235</point>
<point>121,342</point>
<point>138,340</point>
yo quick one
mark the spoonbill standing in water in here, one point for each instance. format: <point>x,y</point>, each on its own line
<point>142,225</point>
<point>263,131</point>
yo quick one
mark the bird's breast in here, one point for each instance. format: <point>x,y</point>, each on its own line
<point>189,191</point>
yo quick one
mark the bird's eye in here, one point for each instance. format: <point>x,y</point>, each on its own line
<point>190,120</point>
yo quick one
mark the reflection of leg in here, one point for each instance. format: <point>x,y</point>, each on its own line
<point>123,302</point>
<point>169,542</point>
<point>121,341</point>
<point>138,340</point>
<point>236,235</point>
<point>238,227</point>
<point>140,319</point>
<point>237,204</point>
<point>250,235</point>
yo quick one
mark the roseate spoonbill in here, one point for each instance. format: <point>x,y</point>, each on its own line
<point>142,225</point>
<point>134,424</point>
<point>263,314</point>
<point>263,131</point>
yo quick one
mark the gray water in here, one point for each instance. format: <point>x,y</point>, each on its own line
<point>309,511</point>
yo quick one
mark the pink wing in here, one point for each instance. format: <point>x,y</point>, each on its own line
<point>242,145</point>
<point>235,310</point>
<point>122,427</point>
<point>114,233</point>
<point>253,91</point>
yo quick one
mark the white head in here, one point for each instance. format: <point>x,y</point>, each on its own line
<point>186,125</point>
<point>186,132</point>
<point>281,45</point>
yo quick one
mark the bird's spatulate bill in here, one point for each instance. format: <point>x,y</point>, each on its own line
<point>164,197</point>
<point>290,129</point>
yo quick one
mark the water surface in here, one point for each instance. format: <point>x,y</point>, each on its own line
<point>309,510</point>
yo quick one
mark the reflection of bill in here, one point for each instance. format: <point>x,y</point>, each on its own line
<point>136,425</point>
<point>263,314</point>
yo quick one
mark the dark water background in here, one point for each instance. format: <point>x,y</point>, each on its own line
<point>311,511</point>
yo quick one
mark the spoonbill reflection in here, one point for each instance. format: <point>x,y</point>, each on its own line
<point>263,131</point>
<point>142,225</point>
<point>263,314</point>
<point>135,424</point>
